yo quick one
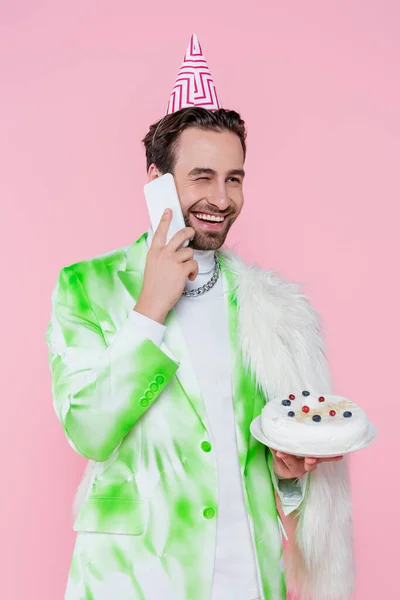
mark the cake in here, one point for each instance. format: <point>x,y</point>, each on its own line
<point>308,425</point>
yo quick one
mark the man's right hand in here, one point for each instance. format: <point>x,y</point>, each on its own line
<point>167,268</point>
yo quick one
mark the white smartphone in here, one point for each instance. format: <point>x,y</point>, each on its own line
<point>160,194</point>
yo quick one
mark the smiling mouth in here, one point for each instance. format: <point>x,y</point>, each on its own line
<point>207,222</point>
<point>210,218</point>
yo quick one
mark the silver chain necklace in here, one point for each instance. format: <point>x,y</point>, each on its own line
<point>207,286</point>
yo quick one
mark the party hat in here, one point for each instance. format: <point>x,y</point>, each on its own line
<point>194,85</point>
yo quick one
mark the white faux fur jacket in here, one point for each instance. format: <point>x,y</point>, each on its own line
<point>320,562</point>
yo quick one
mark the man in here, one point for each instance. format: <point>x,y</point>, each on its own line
<point>158,364</point>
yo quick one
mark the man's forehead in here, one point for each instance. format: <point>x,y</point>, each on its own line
<point>209,149</point>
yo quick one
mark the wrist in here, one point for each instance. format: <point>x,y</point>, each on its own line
<point>149,310</point>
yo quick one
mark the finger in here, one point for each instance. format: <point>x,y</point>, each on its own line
<point>281,455</point>
<point>310,460</point>
<point>185,254</point>
<point>280,466</point>
<point>160,234</point>
<point>309,468</point>
<point>278,456</point>
<point>292,462</point>
<point>177,240</point>
<point>192,269</point>
<point>331,459</point>
<point>284,456</point>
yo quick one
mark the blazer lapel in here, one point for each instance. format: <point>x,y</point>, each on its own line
<point>242,383</point>
<point>132,275</point>
<point>174,344</point>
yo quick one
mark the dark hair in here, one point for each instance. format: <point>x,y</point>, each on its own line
<point>162,139</point>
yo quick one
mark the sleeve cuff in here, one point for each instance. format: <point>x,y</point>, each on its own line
<point>291,492</point>
<point>153,330</point>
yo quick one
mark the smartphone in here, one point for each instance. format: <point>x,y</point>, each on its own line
<point>160,194</point>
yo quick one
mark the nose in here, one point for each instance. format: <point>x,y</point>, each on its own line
<point>220,197</point>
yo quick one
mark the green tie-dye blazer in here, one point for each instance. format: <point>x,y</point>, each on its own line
<point>147,523</point>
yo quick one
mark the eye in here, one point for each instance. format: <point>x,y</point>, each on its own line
<point>200,178</point>
<point>235,179</point>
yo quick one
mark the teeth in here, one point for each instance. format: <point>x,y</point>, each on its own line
<point>209,217</point>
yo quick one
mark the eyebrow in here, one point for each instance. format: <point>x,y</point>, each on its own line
<point>206,171</point>
<point>237,172</point>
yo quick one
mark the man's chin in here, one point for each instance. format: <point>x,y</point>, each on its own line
<point>208,241</point>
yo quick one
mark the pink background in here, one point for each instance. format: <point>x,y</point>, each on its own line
<point>318,83</point>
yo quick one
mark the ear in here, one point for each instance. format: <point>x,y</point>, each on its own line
<point>153,173</point>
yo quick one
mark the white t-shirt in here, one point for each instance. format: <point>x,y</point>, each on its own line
<point>204,325</point>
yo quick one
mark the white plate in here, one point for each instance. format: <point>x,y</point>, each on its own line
<point>258,433</point>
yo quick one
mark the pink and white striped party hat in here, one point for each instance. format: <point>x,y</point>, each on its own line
<point>194,85</point>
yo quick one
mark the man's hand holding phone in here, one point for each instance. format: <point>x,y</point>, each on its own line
<point>167,268</point>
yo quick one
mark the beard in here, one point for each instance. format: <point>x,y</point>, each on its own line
<point>209,240</point>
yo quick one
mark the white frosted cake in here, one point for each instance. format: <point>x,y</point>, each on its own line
<point>309,425</point>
